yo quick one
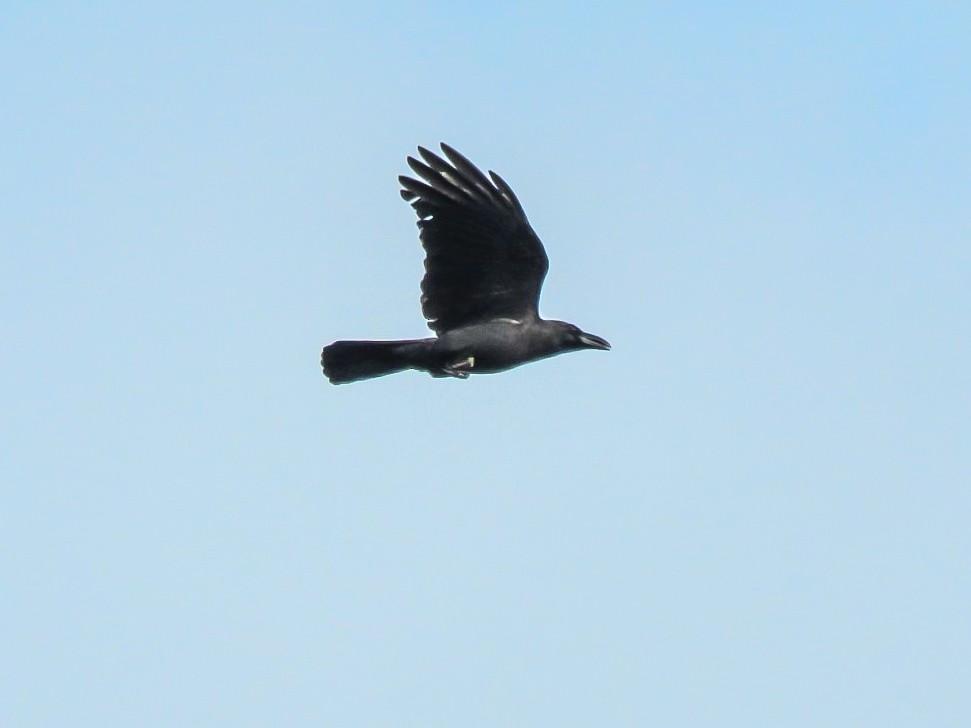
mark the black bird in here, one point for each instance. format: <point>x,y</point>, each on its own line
<point>484,268</point>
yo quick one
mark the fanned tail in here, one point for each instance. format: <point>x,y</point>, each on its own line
<point>351,361</point>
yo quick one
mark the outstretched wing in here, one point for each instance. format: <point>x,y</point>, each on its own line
<point>482,259</point>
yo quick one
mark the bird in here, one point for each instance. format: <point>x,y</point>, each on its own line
<point>484,271</point>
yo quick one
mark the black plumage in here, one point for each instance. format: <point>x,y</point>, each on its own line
<point>484,269</point>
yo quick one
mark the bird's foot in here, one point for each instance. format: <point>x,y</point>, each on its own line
<point>461,368</point>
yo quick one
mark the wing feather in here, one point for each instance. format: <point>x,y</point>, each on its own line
<point>483,260</point>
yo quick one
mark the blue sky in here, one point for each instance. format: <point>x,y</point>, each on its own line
<point>752,512</point>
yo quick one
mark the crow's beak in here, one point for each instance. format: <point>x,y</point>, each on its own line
<point>590,341</point>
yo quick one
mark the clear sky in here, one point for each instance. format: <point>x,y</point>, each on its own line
<point>754,511</point>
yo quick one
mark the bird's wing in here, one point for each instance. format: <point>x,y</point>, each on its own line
<point>482,259</point>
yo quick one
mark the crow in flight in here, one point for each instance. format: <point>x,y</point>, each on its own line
<point>484,267</point>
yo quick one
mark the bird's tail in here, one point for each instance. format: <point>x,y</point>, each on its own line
<point>349,361</point>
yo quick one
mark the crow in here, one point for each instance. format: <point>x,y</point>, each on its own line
<point>484,268</point>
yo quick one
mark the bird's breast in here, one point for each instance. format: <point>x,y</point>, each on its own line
<point>495,345</point>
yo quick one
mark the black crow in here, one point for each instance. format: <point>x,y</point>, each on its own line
<point>484,268</point>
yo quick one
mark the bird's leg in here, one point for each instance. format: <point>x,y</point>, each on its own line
<point>461,368</point>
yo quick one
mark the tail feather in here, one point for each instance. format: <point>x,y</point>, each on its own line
<point>350,361</point>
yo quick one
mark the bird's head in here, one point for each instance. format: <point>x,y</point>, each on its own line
<point>572,337</point>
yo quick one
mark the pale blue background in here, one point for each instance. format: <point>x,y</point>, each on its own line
<point>754,511</point>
